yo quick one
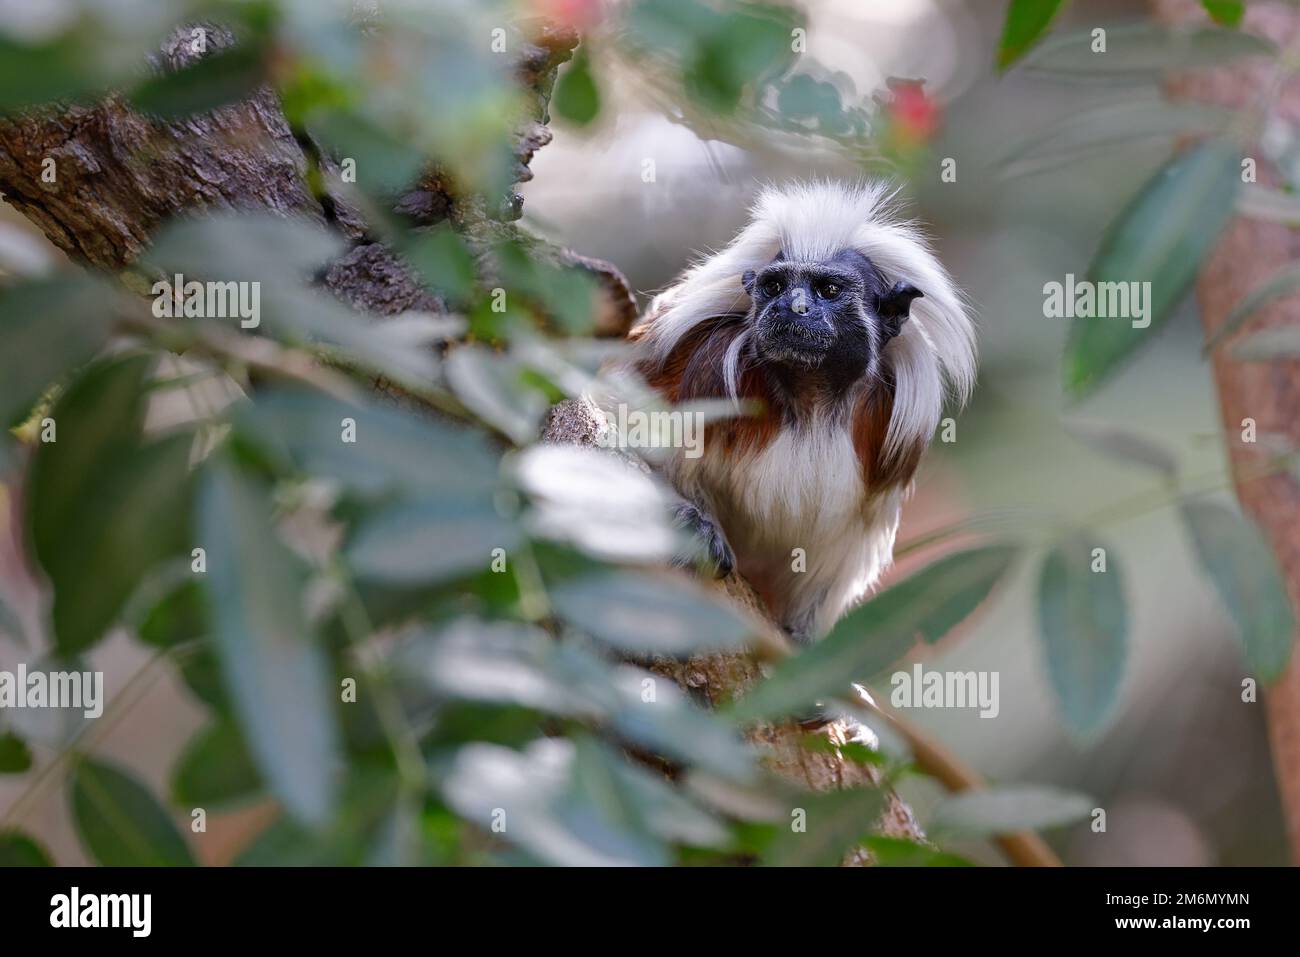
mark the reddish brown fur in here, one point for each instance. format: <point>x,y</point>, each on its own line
<point>870,426</point>
<point>693,370</point>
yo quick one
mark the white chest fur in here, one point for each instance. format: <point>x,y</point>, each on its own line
<point>805,531</point>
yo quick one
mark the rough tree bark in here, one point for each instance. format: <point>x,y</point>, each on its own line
<point>1268,392</point>
<point>122,174</point>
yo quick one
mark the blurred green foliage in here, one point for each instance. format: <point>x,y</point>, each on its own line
<point>449,665</point>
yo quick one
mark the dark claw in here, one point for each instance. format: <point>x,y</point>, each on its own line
<point>704,528</point>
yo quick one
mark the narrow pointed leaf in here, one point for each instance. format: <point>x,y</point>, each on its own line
<point>1083,621</point>
<point>15,756</point>
<point>120,823</point>
<point>1026,22</point>
<point>19,850</point>
<point>50,326</point>
<point>878,634</point>
<point>215,769</point>
<point>1160,239</point>
<point>275,672</point>
<point>650,614</point>
<point>223,76</point>
<point>833,824</point>
<point>1244,572</point>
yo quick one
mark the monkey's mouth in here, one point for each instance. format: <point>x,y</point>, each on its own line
<point>795,342</point>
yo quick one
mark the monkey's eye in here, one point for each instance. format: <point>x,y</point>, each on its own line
<point>828,290</point>
<point>772,287</point>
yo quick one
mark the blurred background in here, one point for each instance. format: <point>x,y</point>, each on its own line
<point>1182,766</point>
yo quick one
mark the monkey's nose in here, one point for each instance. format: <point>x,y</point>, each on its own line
<point>799,301</point>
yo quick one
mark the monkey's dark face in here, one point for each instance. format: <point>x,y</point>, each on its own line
<point>831,315</point>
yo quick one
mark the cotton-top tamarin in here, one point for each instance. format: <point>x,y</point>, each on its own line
<point>837,318</point>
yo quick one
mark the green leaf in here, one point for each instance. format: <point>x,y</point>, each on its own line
<point>720,54</point>
<point>443,260</point>
<point>38,73</point>
<point>19,850</point>
<point>177,617</point>
<point>562,294</point>
<point>104,509</point>
<point>1239,562</point>
<point>49,327</point>
<point>650,614</point>
<point>575,803</point>
<point>201,672</point>
<point>730,63</point>
<point>1125,446</point>
<point>275,672</point>
<point>510,664</point>
<point>365,803</point>
<point>102,410</point>
<point>1010,809</point>
<point>1226,13</point>
<point>492,386</point>
<point>900,852</point>
<point>1161,238</point>
<point>425,541</point>
<point>1083,620</point>
<point>215,769</point>
<point>576,97</point>
<point>1283,282</point>
<point>15,757</point>
<point>944,593</point>
<point>599,503</point>
<point>876,635</point>
<point>120,822</point>
<point>136,516</point>
<point>395,452</point>
<point>223,76</point>
<point>237,246</point>
<point>546,812</point>
<point>622,788</point>
<point>669,724</point>
<point>1139,52</point>
<point>282,255</point>
<point>833,824</point>
<point>385,164</point>
<point>1026,22</point>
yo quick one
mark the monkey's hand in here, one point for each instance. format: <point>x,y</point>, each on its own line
<point>706,530</point>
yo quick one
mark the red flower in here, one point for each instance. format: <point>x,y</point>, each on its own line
<point>914,114</point>
<point>579,14</point>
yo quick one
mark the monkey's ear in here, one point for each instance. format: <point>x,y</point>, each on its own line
<point>747,280</point>
<point>895,305</point>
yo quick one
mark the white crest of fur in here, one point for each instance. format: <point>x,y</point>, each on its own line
<point>813,221</point>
